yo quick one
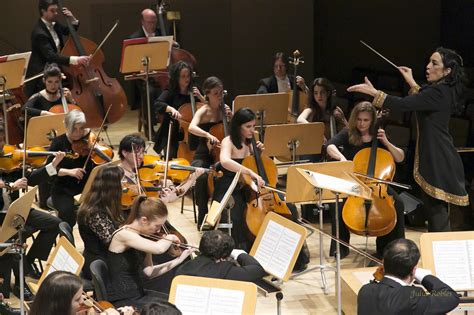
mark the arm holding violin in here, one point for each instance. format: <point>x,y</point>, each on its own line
<point>397,153</point>
<point>129,239</point>
<point>197,131</point>
<point>152,271</point>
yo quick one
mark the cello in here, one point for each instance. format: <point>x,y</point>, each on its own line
<point>91,86</point>
<point>267,199</point>
<point>379,216</point>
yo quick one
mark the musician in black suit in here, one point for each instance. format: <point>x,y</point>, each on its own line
<point>280,81</point>
<point>47,41</point>
<point>394,294</point>
<point>216,248</point>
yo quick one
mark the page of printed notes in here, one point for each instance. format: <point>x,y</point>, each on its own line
<point>196,300</point>
<point>63,261</point>
<point>454,261</point>
<point>276,249</point>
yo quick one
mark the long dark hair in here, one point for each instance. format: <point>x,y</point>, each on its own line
<point>104,195</point>
<point>240,117</point>
<point>174,73</point>
<point>55,294</point>
<point>456,78</point>
<point>318,113</point>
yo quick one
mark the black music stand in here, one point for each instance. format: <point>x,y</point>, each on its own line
<point>14,223</point>
<point>145,55</point>
<point>12,75</point>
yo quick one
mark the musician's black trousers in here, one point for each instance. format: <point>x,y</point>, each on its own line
<point>66,208</point>
<point>436,212</point>
<point>201,190</point>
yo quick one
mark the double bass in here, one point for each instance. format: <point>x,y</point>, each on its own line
<point>90,85</point>
<point>295,109</point>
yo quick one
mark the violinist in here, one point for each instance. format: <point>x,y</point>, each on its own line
<point>234,149</point>
<point>438,168</point>
<point>71,174</point>
<point>205,118</point>
<point>130,254</point>
<point>280,81</point>
<point>395,294</point>
<point>216,248</point>
<point>359,135</point>
<point>40,103</point>
<point>37,220</point>
<point>47,40</point>
<point>177,94</point>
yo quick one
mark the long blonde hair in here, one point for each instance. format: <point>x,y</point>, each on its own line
<point>355,138</point>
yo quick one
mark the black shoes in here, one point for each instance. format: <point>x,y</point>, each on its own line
<point>6,309</point>
<point>29,296</point>
<point>32,271</point>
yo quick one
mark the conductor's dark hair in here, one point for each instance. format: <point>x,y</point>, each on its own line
<point>160,308</point>
<point>456,78</point>
<point>240,117</point>
<point>216,244</point>
<point>174,73</point>
<point>400,257</point>
<point>43,5</point>
<point>128,141</point>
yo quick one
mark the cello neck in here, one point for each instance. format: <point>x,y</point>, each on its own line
<point>63,98</point>
<point>225,122</point>
<point>72,32</point>
<point>193,102</point>
<point>258,161</point>
<point>295,61</point>
<point>160,10</point>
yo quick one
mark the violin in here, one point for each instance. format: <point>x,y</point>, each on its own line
<point>90,306</point>
<point>15,118</point>
<point>131,191</point>
<point>379,216</point>
<point>11,158</point>
<point>101,153</point>
<point>153,168</point>
<point>90,85</point>
<point>267,199</point>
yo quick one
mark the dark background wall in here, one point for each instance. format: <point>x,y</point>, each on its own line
<point>236,39</point>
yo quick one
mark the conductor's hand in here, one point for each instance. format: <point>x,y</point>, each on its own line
<point>83,60</point>
<point>21,183</point>
<point>365,88</point>
<point>58,157</point>
<point>407,75</point>
<point>74,172</point>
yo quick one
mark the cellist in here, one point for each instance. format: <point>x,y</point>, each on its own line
<point>47,40</point>
<point>358,136</point>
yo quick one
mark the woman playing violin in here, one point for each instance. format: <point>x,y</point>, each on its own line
<point>234,149</point>
<point>130,254</point>
<point>206,117</point>
<point>358,136</point>
<point>41,102</point>
<point>169,101</point>
<point>72,174</point>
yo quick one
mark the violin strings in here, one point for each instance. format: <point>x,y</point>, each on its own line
<point>97,137</point>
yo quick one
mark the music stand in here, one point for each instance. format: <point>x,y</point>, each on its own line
<point>213,217</point>
<point>144,55</point>
<point>14,223</point>
<point>271,109</point>
<point>294,139</point>
<point>12,74</point>
<point>42,129</point>
<point>342,184</point>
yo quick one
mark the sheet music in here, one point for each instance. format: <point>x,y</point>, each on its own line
<point>453,261</point>
<point>63,261</point>
<point>329,182</point>
<point>198,300</point>
<point>276,249</point>
<point>363,277</point>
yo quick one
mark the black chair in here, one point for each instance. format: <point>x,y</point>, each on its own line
<point>66,231</point>
<point>100,278</point>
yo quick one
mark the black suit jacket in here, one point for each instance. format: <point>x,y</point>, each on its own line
<point>389,298</point>
<point>202,266</point>
<point>270,85</point>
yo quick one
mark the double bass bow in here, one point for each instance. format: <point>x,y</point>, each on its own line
<point>90,84</point>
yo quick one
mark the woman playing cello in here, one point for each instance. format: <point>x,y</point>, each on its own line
<point>359,135</point>
<point>170,100</point>
<point>206,117</point>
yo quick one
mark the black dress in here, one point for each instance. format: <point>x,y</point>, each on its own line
<point>38,103</point>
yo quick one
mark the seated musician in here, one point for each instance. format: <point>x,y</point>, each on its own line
<point>395,294</point>
<point>358,136</point>
<point>205,118</point>
<point>177,94</point>
<point>47,41</point>
<point>40,103</point>
<point>72,174</point>
<point>37,220</point>
<point>216,248</point>
<point>280,81</point>
<point>130,254</point>
<point>129,161</point>
<point>62,293</point>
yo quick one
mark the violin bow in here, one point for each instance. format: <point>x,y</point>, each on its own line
<point>379,54</point>
<point>97,138</point>
<point>137,174</point>
<point>24,145</point>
